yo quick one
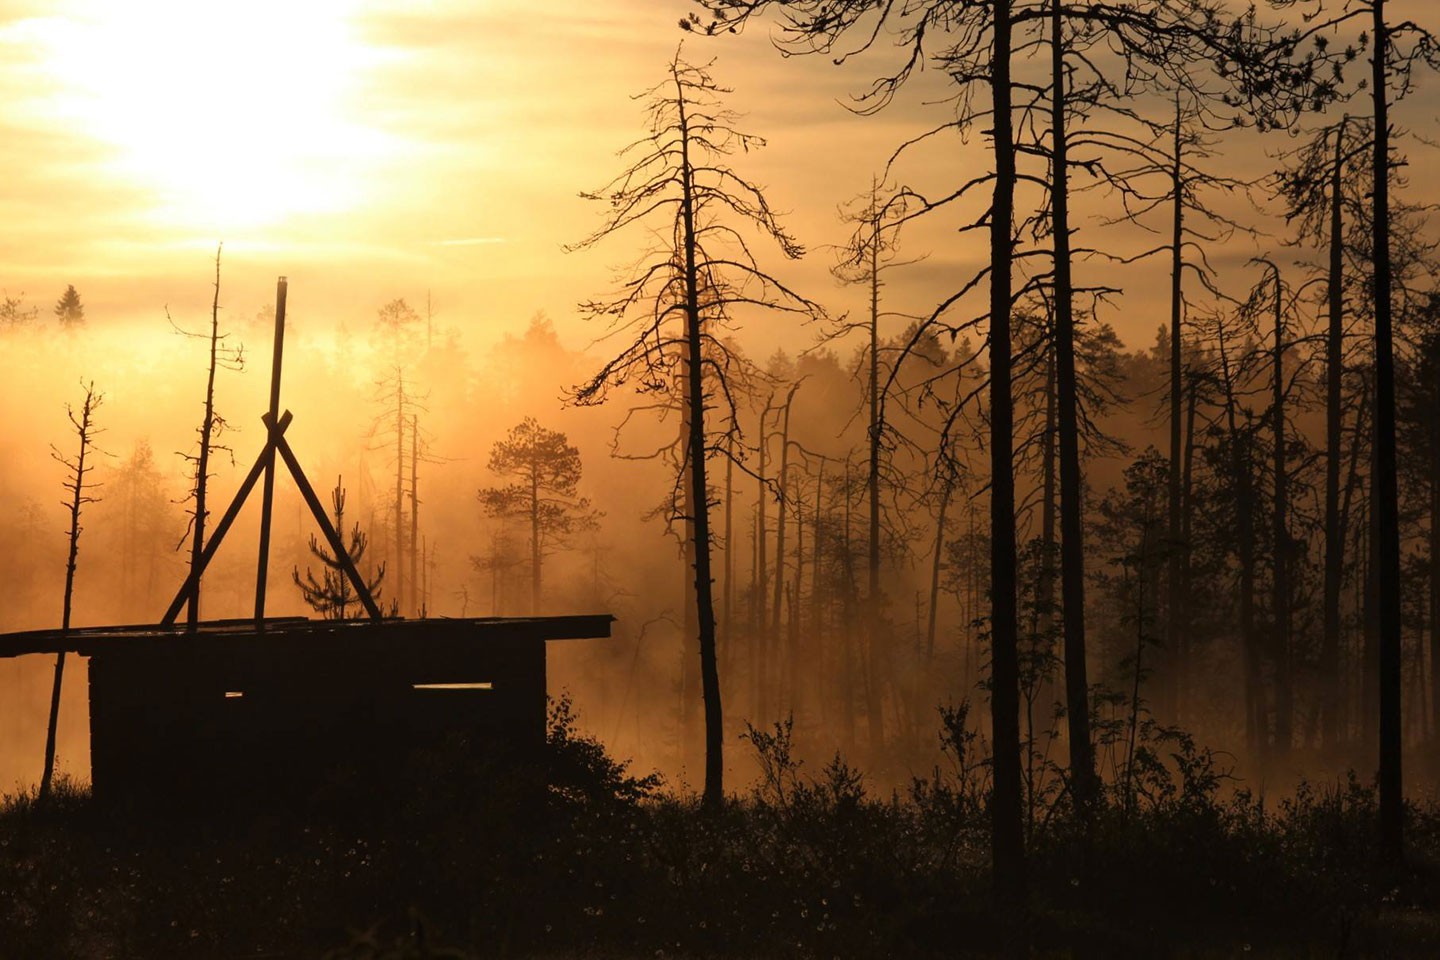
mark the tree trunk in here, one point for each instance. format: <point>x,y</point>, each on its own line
<point>1245,550</point>
<point>759,648</point>
<point>936,563</point>
<point>1284,680</point>
<point>77,499</point>
<point>873,690</point>
<point>1174,627</point>
<point>714,794</point>
<point>400,506</point>
<point>1007,845</point>
<point>202,465</point>
<point>1072,544</point>
<point>1384,498</point>
<point>417,595</point>
<point>1334,531</point>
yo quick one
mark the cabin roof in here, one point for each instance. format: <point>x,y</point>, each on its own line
<point>290,632</point>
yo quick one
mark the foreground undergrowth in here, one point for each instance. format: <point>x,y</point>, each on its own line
<point>583,858</point>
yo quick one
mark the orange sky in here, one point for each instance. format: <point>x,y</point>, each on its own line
<point>371,150</point>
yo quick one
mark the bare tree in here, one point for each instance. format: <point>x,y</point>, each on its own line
<point>678,183</point>
<point>212,424</point>
<point>76,486</point>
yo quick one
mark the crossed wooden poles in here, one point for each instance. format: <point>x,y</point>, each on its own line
<point>275,443</point>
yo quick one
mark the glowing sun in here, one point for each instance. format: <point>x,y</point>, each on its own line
<point>226,115</point>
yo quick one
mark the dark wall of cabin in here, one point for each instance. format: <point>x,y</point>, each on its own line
<point>247,718</point>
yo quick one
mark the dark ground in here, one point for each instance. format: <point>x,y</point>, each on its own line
<point>603,864</point>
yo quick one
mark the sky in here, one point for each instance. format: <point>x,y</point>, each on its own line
<point>373,150</point>
<point>366,150</point>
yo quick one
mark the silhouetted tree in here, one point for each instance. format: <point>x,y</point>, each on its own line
<point>332,594</point>
<point>545,473</point>
<point>76,486</point>
<point>680,186</point>
<point>68,309</point>
<point>211,425</point>
<point>14,313</point>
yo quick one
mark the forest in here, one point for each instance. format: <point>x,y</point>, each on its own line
<point>1045,561</point>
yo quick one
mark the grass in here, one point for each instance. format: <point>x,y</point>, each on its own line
<point>601,863</point>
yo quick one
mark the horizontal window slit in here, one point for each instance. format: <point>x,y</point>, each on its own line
<point>486,685</point>
<point>234,694</point>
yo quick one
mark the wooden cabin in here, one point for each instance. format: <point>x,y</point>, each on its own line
<point>229,713</point>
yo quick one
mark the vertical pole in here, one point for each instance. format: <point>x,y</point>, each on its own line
<point>417,595</point>
<point>268,497</point>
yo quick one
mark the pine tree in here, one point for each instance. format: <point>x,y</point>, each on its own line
<point>331,595</point>
<point>68,309</point>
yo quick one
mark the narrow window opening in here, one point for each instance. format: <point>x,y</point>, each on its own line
<point>486,685</point>
<point>234,694</point>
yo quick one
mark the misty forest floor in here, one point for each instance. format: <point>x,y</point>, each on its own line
<point>602,864</point>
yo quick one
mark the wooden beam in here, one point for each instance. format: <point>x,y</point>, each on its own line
<point>187,589</point>
<point>336,542</point>
<point>268,501</point>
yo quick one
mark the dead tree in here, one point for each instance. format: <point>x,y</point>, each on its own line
<point>679,183</point>
<point>76,486</point>
<point>212,424</point>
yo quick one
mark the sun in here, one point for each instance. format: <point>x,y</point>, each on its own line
<point>226,116</point>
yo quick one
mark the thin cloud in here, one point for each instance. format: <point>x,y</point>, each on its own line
<point>468,241</point>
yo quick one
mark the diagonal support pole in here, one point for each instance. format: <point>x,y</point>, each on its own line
<point>188,590</point>
<point>331,536</point>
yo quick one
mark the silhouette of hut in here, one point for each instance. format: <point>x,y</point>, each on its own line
<point>229,713</point>
<point>270,708</point>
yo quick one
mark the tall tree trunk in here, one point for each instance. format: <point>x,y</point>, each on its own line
<point>781,516</point>
<point>873,689</point>
<point>793,634</point>
<point>759,647</point>
<point>847,600</point>
<point>1384,498</point>
<point>817,592</point>
<point>84,427</point>
<point>1359,548</point>
<point>726,637</point>
<point>1072,544</point>
<point>1284,680</point>
<point>690,626</point>
<point>417,596</point>
<point>1334,530</point>
<point>400,505</point>
<point>1245,550</point>
<point>535,556</point>
<point>1174,627</point>
<point>202,464</point>
<point>1435,566</point>
<point>713,794</point>
<point>936,563</point>
<point>1182,612</point>
<point>1007,846</point>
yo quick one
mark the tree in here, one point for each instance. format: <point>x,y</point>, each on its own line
<point>76,486</point>
<point>332,595</point>
<point>679,185</point>
<point>211,425</point>
<point>68,309</point>
<point>545,472</point>
<point>14,314</point>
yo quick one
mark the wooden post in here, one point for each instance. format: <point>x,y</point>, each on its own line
<point>268,501</point>
<point>192,582</point>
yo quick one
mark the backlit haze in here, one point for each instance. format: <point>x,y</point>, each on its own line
<point>431,151</point>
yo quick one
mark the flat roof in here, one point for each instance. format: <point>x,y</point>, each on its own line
<point>297,631</point>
